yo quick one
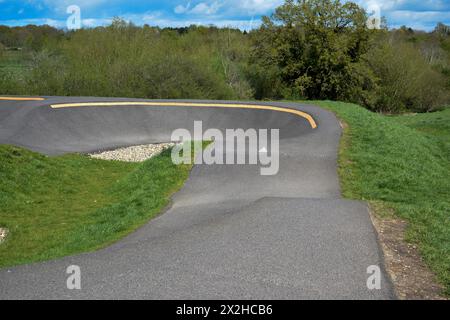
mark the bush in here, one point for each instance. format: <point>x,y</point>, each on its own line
<point>9,85</point>
<point>405,80</point>
<point>127,61</point>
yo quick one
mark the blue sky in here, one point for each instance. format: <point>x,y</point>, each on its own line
<point>244,14</point>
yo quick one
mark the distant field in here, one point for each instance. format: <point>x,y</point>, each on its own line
<point>402,163</point>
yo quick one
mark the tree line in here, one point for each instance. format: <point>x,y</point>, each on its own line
<point>308,49</point>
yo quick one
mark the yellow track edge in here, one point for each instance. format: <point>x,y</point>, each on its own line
<point>302,114</point>
<point>21,99</point>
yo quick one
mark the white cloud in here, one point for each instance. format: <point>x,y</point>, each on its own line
<point>408,5</point>
<point>53,23</point>
<point>43,21</point>
<point>229,7</point>
<point>90,23</point>
<point>180,9</point>
<point>60,6</point>
<point>257,6</point>
<point>425,20</point>
<point>417,14</point>
<point>201,8</point>
<point>205,9</point>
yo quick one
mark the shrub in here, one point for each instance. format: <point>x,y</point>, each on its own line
<point>124,60</point>
<point>405,80</point>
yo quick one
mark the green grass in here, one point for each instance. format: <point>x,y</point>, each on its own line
<point>436,125</point>
<point>401,163</point>
<point>15,63</point>
<point>56,206</point>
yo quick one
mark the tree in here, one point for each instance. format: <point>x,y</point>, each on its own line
<point>442,29</point>
<point>317,47</point>
<point>407,79</point>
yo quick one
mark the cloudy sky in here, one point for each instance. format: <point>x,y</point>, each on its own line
<point>244,14</point>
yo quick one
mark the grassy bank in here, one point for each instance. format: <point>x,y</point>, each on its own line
<point>56,206</point>
<point>402,163</point>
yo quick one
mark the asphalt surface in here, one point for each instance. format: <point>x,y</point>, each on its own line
<point>230,232</point>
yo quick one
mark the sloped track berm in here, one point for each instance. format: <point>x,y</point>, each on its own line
<point>230,232</point>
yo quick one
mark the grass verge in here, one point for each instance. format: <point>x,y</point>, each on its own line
<point>401,163</point>
<point>57,206</point>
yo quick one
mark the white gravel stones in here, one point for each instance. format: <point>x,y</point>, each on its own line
<point>3,234</point>
<point>133,154</point>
